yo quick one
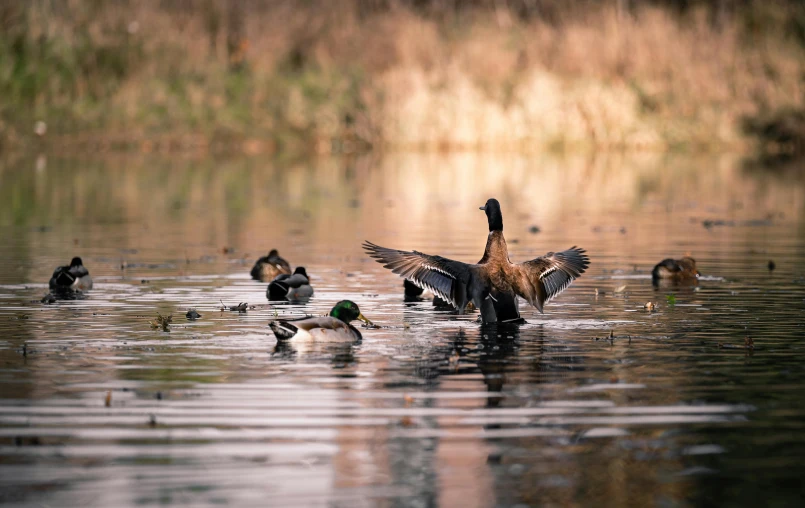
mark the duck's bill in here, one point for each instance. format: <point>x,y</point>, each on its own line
<point>365,319</point>
<point>482,208</point>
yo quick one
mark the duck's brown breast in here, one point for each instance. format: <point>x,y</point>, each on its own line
<point>495,265</point>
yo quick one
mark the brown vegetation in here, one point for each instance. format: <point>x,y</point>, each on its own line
<point>426,75</point>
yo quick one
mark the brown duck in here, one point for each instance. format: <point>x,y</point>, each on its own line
<point>267,268</point>
<point>493,279</point>
<point>675,270</point>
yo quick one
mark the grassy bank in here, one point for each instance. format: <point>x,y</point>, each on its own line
<point>426,75</point>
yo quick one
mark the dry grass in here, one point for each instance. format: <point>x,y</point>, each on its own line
<point>343,79</point>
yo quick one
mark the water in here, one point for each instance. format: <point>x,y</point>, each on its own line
<point>431,409</point>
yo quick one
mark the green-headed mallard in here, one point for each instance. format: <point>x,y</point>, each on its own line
<point>291,287</point>
<point>492,279</point>
<point>333,328</point>
<point>71,277</point>
<point>675,270</point>
<point>268,267</point>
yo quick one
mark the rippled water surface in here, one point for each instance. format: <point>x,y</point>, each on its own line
<point>431,409</point>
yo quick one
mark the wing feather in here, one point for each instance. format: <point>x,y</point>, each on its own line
<point>542,279</point>
<point>444,277</point>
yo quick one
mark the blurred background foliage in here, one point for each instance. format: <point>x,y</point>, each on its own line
<point>434,75</point>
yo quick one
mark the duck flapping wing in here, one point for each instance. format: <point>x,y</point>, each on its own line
<point>443,277</point>
<point>545,277</point>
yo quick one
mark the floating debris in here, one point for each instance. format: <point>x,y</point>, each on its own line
<point>620,289</point>
<point>408,400</point>
<point>25,350</point>
<point>108,400</point>
<point>749,343</point>
<point>241,307</point>
<point>772,265</point>
<point>152,420</point>
<point>671,299</point>
<point>649,306</point>
<point>192,315</point>
<point>534,229</point>
<point>161,321</point>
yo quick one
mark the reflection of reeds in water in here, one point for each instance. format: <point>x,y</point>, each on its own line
<point>355,74</point>
<point>405,187</point>
<point>178,209</point>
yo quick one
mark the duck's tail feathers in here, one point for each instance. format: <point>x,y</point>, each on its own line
<point>283,330</point>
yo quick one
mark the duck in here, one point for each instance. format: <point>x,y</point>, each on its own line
<point>291,287</point>
<point>494,279</point>
<point>334,327</point>
<point>74,277</point>
<point>675,270</point>
<point>268,267</point>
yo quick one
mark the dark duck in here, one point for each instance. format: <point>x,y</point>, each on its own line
<point>73,277</point>
<point>493,283</point>
<point>290,287</point>
<point>675,271</point>
<point>268,267</point>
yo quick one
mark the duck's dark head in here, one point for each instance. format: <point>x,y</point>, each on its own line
<point>300,270</point>
<point>273,253</point>
<point>76,262</point>
<point>493,215</point>
<point>348,311</point>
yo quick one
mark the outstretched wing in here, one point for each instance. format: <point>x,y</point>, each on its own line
<point>543,278</point>
<point>444,277</point>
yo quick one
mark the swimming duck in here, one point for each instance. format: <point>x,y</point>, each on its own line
<point>291,287</point>
<point>335,327</point>
<point>268,267</point>
<point>675,270</point>
<point>491,280</point>
<point>71,277</point>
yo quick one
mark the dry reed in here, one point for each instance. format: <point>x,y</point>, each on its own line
<point>347,76</point>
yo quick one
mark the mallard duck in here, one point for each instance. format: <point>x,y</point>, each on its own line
<point>335,327</point>
<point>268,267</point>
<point>675,270</point>
<point>494,278</point>
<point>71,277</point>
<point>291,287</point>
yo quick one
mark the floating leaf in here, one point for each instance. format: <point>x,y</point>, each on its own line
<point>671,299</point>
<point>161,321</point>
